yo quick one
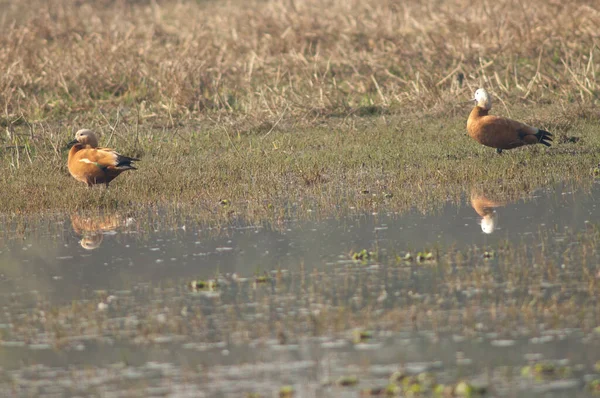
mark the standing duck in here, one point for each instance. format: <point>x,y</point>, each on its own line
<point>92,165</point>
<point>499,132</point>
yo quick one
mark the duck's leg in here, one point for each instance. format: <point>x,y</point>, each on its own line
<point>499,151</point>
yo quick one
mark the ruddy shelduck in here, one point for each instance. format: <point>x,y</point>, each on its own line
<point>93,165</point>
<point>499,132</point>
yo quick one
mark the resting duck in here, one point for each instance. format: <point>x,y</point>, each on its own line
<point>499,132</point>
<point>92,165</point>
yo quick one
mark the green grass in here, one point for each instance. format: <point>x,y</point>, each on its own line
<point>390,162</point>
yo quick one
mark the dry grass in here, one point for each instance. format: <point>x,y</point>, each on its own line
<point>265,60</point>
<point>289,103</point>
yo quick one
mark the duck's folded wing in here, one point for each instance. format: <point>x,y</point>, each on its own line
<point>511,129</point>
<point>526,133</point>
<point>100,157</point>
<point>121,157</point>
<point>532,135</point>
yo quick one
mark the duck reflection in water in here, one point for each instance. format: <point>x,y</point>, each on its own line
<point>92,228</point>
<point>485,207</point>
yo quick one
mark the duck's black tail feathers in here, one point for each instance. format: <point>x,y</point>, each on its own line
<point>544,137</point>
<point>124,163</point>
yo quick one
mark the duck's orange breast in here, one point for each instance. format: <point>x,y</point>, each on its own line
<point>88,165</point>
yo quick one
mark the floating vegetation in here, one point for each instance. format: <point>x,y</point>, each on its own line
<point>425,256</point>
<point>391,390</point>
<point>407,258</point>
<point>260,279</point>
<point>593,386</point>
<point>547,370</point>
<point>424,384</point>
<point>361,336</point>
<point>420,257</point>
<point>463,389</point>
<point>286,392</point>
<point>363,255</point>
<point>489,254</point>
<point>347,381</point>
<point>414,384</point>
<point>330,310</point>
<point>204,285</point>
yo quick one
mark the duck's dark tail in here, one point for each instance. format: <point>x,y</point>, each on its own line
<point>544,137</point>
<point>124,163</point>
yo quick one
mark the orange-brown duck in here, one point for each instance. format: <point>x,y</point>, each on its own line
<point>499,132</point>
<point>93,165</point>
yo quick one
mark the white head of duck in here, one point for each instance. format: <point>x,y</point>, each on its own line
<point>483,99</point>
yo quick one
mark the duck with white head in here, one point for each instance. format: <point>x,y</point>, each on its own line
<point>499,132</point>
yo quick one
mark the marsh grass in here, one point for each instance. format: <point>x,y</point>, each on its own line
<point>381,163</point>
<point>276,105</point>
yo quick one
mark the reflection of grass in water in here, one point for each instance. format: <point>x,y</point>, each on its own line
<point>524,286</point>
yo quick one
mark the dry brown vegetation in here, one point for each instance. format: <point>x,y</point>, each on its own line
<point>266,100</point>
<point>265,60</point>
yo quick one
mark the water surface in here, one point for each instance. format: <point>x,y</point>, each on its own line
<point>498,286</point>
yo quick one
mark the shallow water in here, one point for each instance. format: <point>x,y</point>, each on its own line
<point>57,264</point>
<point>103,304</point>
